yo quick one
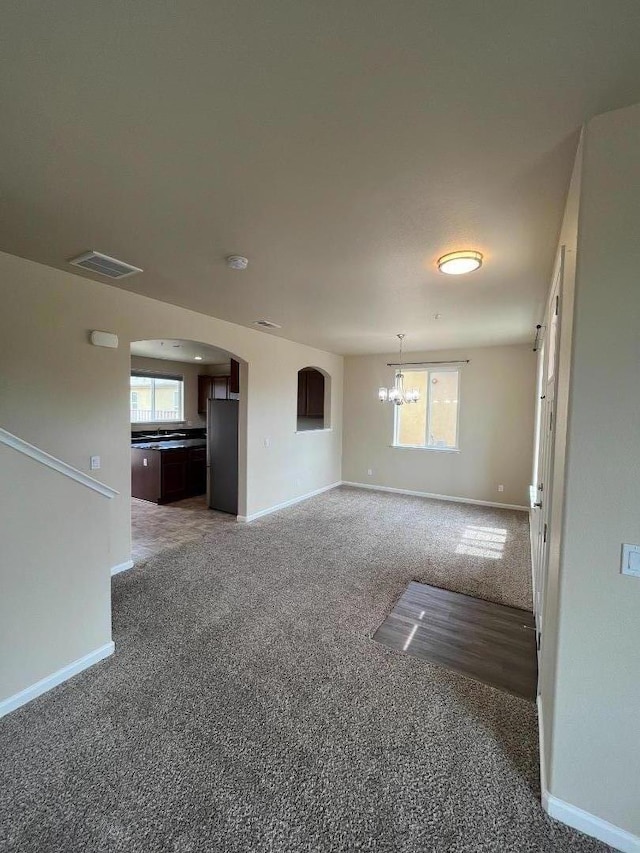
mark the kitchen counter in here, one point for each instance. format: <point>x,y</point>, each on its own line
<point>178,444</point>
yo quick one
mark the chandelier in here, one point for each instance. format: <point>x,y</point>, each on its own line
<point>399,394</point>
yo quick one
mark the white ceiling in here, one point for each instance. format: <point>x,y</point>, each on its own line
<point>178,350</point>
<point>341,146</point>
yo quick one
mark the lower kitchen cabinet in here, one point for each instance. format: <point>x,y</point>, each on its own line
<point>168,475</point>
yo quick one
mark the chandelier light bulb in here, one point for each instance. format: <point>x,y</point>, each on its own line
<point>398,395</point>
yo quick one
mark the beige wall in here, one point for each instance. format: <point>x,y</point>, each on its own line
<point>497,395</point>
<point>595,756</point>
<point>55,605</point>
<point>72,399</point>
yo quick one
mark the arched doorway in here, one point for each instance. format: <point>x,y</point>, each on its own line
<point>187,403</point>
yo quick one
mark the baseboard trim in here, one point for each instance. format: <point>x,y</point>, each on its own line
<point>598,828</point>
<point>121,567</point>
<point>576,817</point>
<point>46,684</point>
<point>285,504</point>
<point>375,488</point>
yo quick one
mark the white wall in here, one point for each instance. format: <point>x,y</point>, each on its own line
<point>497,398</point>
<point>72,399</point>
<point>595,753</point>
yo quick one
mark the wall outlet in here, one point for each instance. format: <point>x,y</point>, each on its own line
<point>370,472</point>
<point>630,562</point>
<point>95,463</point>
<point>267,442</point>
<point>501,488</point>
<point>145,462</point>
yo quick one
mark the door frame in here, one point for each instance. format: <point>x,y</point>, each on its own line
<point>541,492</point>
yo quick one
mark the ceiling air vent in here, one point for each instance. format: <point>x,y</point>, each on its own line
<point>266,324</point>
<point>104,265</point>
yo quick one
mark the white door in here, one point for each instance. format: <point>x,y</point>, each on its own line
<point>545,441</point>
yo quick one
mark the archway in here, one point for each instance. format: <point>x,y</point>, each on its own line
<point>313,399</point>
<point>188,416</point>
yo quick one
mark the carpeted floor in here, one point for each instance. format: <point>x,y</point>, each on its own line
<point>247,708</point>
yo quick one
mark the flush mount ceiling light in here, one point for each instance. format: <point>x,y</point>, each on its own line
<point>237,262</point>
<point>197,358</point>
<point>459,263</point>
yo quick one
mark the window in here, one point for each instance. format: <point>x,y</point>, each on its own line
<point>156,397</point>
<point>432,422</point>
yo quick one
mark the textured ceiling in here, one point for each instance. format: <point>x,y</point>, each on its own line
<point>178,350</point>
<point>341,146</point>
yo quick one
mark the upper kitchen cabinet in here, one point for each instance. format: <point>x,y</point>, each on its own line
<point>218,387</point>
<point>234,378</point>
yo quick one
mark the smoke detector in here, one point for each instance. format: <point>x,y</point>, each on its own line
<point>266,324</point>
<point>237,262</point>
<point>104,265</point>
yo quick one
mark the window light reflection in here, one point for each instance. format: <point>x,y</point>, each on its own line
<point>477,541</point>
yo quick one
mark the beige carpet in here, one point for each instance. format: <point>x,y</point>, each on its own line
<point>247,709</point>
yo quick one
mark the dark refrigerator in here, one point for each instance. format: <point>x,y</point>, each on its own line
<point>222,455</point>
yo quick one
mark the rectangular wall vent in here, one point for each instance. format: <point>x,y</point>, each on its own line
<point>266,324</point>
<point>104,265</point>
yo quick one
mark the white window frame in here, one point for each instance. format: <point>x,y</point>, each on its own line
<point>153,376</point>
<point>396,415</point>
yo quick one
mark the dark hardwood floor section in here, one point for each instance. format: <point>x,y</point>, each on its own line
<point>490,642</point>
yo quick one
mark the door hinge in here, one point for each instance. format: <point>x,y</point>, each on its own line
<point>544,534</point>
<point>557,305</point>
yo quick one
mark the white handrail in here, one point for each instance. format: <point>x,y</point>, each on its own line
<point>34,452</point>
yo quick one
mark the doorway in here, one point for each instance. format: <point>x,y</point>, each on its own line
<point>186,458</point>
<point>544,444</point>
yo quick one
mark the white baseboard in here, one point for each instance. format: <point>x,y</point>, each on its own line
<point>375,488</point>
<point>291,502</point>
<point>579,819</point>
<point>598,828</point>
<point>121,567</point>
<point>45,684</point>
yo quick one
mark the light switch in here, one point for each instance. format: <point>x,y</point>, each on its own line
<point>630,563</point>
<point>95,463</point>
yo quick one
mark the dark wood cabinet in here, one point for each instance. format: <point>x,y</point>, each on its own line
<point>162,476</point>
<point>197,471</point>
<point>218,387</point>
<point>173,481</point>
<point>234,378</point>
<point>204,393</point>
